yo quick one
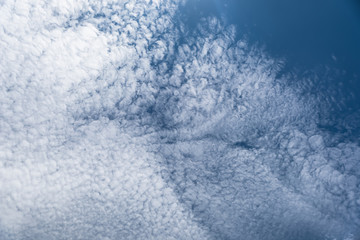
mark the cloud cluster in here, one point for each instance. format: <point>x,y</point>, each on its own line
<point>244,150</point>
<point>67,171</point>
<point>118,123</point>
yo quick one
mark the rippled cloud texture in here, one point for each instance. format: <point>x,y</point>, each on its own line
<point>119,123</point>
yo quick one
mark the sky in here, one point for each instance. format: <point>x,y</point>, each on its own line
<point>133,119</point>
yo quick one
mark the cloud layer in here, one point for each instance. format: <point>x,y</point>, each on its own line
<point>117,122</point>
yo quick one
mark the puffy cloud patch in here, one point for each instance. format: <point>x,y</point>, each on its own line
<point>66,170</point>
<point>117,123</point>
<point>245,145</point>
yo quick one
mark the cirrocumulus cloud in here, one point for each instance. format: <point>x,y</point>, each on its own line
<point>118,122</point>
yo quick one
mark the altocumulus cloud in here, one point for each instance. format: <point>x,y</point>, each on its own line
<point>118,123</point>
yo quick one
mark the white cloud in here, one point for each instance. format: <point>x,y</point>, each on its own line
<point>111,130</point>
<point>56,176</point>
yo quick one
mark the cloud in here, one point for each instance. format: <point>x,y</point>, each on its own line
<point>229,122</point>
<point>66,170</point>
<point>118,123</point>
